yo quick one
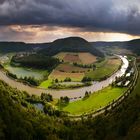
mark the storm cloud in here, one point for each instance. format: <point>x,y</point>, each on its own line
<point>90,15</point>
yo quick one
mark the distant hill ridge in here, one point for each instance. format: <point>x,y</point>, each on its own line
<point>134,45</point>
<point>70,44</point>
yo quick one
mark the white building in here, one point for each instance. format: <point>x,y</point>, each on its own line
<point>126,83</point>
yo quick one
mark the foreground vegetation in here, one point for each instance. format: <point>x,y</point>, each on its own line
<point>18,122</point>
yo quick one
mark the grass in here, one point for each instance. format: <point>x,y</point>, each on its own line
<point>105,70</point>
<point>95,101</point>
<point>65,67</point>
<point>87,58</point>
<point>62,75</point>
<point>46,84</point>
<point>102,63</point>
<point>76,57</point>
<point>60,55</point>
<point>72,57</point>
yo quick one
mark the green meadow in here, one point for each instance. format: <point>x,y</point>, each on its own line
<point>95,101</point>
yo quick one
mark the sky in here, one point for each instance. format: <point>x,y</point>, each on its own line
<point>47,20</point>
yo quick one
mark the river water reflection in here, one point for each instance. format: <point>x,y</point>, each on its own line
<point>74,94</point>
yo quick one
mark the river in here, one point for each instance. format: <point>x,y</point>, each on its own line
<point>74,94</point>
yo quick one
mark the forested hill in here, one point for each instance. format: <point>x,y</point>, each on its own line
<point>111,44</point>
<point>70,44</point>
<point>6,47</point>
<point>20,121</point>
<point>134,45</point>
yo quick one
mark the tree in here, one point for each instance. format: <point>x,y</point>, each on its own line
<point>56,80</point>
<point>46,97</point>
<point>86,95</point>
<point>48,109</point>
<point>86,79</point>
<point>67,79</point>
<point>64,100</point>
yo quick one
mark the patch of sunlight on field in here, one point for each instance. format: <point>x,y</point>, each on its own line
<point>105,70</point>
<point>95,101</point>
<point>46,84</point>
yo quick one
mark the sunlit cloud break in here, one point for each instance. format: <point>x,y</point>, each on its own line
<point>43,21</point>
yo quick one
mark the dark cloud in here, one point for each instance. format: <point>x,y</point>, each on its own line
<point>92,15</point>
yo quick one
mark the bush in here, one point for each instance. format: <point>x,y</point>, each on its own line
<point>31,80</point>
<point>67,79</point>
<point>12,75</point>
<point>86,79</point>
<point>46,97</point>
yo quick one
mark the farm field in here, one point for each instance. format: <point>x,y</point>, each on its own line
<point>65,67</point>
<point>103,68</point>
<point>87,58</point>
<point>45,84</point>
<point>95,101</point>
<point>60,55</point>
<point>72,58</point>
<point>62,75</point>
<point>76,57</point>
<point>106,69</point>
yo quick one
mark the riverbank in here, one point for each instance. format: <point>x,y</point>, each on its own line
<point>72,93</point>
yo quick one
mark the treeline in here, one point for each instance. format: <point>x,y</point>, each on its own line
<point>7,47</point>
<point>35,61</point>
<point>27,80</point>
<point>85,65</point>
<point>71,86</point>
<point>134,45</point>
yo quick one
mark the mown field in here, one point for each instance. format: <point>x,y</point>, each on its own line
<point>95,101</point>
<point>45,84</point>
<point>62,75</point>
<point>105,69</point>
<point>65,67</point>
<point>83,58</point>
<point>87,58</point>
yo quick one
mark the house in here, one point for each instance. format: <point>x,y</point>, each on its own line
<point>128,74</point>
<point>126,83</point>
<point>119,84</point>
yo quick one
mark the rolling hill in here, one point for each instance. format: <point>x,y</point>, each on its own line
<point>7,47</point>
<point>70,44</point>
<point>134,45</point>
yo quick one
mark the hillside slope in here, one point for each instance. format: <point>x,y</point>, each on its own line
<point>6,47</point>
<point>71,44</point>
<point>134,45</point>
<point>24,123</point>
